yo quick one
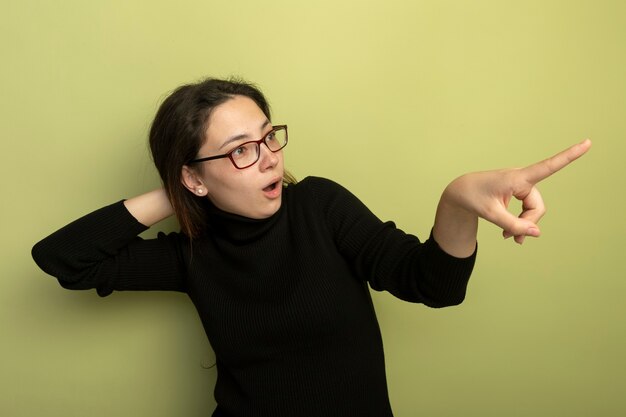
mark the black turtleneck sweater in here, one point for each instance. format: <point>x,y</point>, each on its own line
<point>284,301</point>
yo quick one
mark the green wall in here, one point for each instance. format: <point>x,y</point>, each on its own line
<point>393,99</point>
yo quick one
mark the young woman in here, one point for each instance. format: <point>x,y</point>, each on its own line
<point>278,270</point>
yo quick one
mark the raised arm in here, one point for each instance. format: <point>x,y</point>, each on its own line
<point>488,194</point>
<point>103,250</point>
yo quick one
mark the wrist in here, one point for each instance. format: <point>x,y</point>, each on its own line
<point>455,227</point>
<point>151,207</point>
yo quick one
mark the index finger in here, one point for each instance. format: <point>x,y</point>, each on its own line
<point>542,170</point>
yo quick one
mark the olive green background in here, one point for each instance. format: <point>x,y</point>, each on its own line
<point>393,99</point>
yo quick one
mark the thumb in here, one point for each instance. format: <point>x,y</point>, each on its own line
<point>512,225</point>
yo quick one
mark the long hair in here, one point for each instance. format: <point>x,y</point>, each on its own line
<point>178,132</point>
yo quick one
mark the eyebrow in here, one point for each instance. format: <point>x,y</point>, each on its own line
<point>242,135</point>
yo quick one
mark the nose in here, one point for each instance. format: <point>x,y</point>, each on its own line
<point>268,158</point>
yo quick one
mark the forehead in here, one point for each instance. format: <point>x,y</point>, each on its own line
<point>236,116</point>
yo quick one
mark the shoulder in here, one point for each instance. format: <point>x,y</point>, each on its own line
<point>324,194</point>
<point>318,185</point>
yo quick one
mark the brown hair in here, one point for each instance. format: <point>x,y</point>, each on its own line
<point>178,132</point>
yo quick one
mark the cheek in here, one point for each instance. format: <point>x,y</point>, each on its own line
<point>225,184</point>
<point>233,196</point>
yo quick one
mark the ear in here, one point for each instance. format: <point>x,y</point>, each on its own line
<point>192,181</point>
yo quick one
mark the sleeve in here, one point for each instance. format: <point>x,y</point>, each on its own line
<point>102,250</point>
<point>389,259</point>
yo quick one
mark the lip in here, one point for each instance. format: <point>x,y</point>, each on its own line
<point>276,191</point>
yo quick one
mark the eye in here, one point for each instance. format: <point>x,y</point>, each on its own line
<point>239,152</point>
<point>270,136</point>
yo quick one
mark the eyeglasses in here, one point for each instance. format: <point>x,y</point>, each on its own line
<point>246,154</point>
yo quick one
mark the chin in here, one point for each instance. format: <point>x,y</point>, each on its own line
<point>268,212</point>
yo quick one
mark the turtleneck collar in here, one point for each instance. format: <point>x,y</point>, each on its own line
<point>240,229</point>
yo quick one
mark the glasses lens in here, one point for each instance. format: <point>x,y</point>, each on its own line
<point>245,155</point>
<point>248,153</point>
<point>276,140</point>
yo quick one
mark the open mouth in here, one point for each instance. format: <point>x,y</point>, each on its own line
<point>271,187</point>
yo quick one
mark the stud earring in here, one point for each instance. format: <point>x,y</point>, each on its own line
<point>199,191</point>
